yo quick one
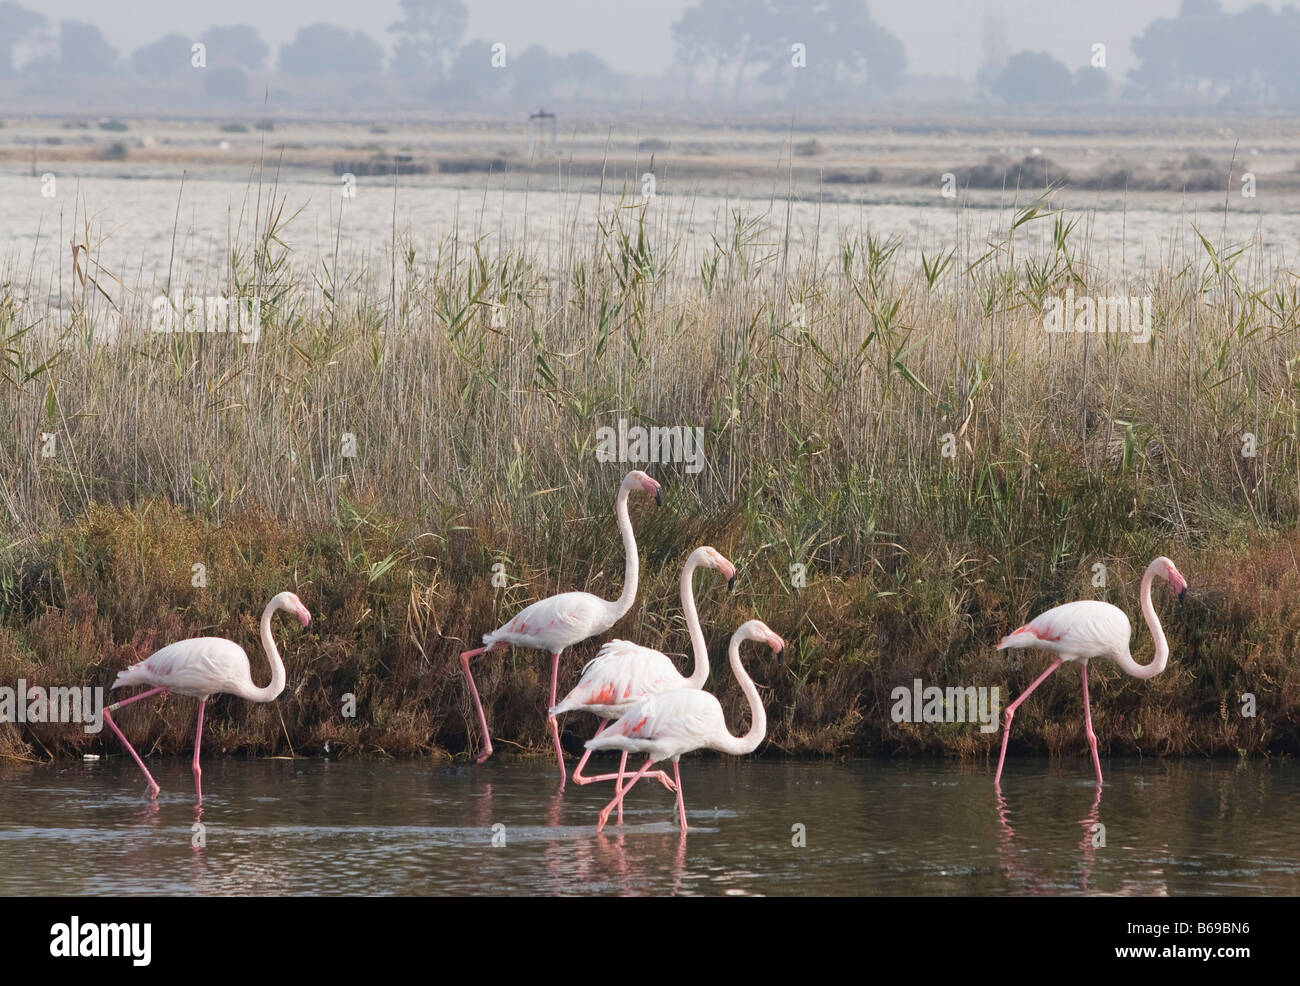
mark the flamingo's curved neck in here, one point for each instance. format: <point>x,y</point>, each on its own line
<point>273,690</point>
<point>1161,657</point>
<point>739,745</point>
<point>701,672</point>
<point>631,565</point>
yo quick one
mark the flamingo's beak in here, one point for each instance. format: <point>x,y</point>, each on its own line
<point>1179,583</point>
<point>659,496</point>
<point>304,617</point>
<point>728,571</point>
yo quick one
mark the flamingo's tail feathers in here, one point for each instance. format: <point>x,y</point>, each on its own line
<point>135,675</point>
<point>1021,638</point>
<point>564,706</point>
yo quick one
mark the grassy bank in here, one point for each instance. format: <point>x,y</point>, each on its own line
<point>892,417</point>
<point>391,613</point>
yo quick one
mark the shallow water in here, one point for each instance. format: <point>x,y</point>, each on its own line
<point>871,827</point>
<point>150,229</point>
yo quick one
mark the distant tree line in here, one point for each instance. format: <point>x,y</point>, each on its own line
<point>429,51</point>
<point>825,50</point>
<point>1206,54</point>
<point>829,49</point>
<point>1203,55</point>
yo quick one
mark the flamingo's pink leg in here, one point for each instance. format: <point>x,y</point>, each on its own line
<point>586,755</point>
<point>1011,711</point>
<point>555,726</point>
<point>108,718</point>
<point>681,805</point>
<point>657,775</point>
<point>473,690</point>
<point>134,698</point>
<point>622,769</point>
<point>604,813</point>
<point>1087,719</point>
<point>198,736</point>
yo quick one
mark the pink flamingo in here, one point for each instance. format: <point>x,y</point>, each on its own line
<point>623,673</point>
<point>203,667</point>
<point>668,724</point>
<point>567,619</point>
<point>1082,630</point>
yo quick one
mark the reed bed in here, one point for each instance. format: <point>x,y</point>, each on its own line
<point>889,414</point>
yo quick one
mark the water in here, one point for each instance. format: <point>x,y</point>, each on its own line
<point>148,230</point>
<point>879,828</point>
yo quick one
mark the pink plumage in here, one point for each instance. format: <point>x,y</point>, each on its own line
<point>666,725</point>
<point>202,667</point>
<point>559,622</point>
<point>1081,631</point>
<point>1076,631</point>
<point>623,672</point>
<point>555,623</point>
<point>663,726</point>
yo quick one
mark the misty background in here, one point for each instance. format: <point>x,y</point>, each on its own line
<point>335,57</point>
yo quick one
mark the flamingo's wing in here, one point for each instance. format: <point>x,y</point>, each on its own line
<point>1088,628</point>
<point>555,622</point>
<point>682,716</point>
<point>618,651</point>
<point>622,672</point>
<point>198,666</point>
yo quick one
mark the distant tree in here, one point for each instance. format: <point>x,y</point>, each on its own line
<point>237,46</point>
<point>862,54</point>
<point>166,58</point>
<point>1182,54</point>
<point>846,53</point>
<point>471,75</point>
<point>691,47</point>
<point>1278,59</point>
<point>17,25</point>
<point>84,51</point>
<point>323,49</point>
<point>429,32</point>
<point>720,32</point>
<point>1034,77</point>
<point>590,72</point>
<point>1205,54</point>
<point>535,73</point>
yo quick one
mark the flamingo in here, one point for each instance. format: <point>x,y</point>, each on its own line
<point>623,673</point>
<point>668,724</point>
<point>567,619</point>
<point>203,667</point>
<point>1086,629</point>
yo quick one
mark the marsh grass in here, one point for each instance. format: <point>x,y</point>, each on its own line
<point>828,384</point>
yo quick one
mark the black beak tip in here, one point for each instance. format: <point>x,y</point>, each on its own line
<point>780,655</point>
<point>659,497</point>
<point>731,582</point>
<point>1181,593</point>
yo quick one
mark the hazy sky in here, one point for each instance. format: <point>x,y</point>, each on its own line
<point>941,36</point>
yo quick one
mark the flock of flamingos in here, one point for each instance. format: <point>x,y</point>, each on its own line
<point>655,710</point>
